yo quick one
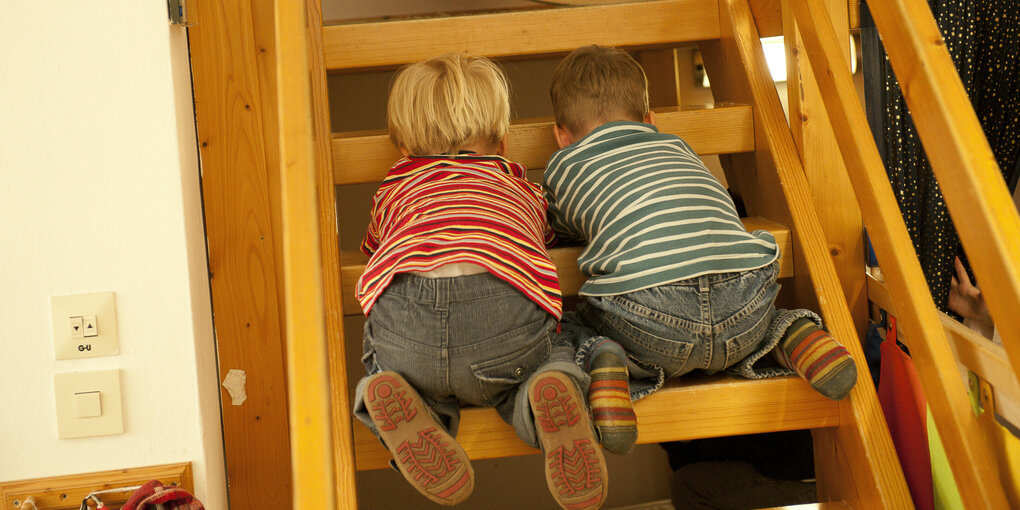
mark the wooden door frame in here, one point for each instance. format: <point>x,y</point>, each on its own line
<point>234,76</point>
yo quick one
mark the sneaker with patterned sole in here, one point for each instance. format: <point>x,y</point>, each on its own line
<point>424,452</point>
<point>575,468</point>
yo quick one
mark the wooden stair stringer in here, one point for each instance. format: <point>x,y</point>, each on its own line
<point>861,442</point>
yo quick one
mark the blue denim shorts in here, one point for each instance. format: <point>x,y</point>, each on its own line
<point>464,340</point>
<point>708,323</point>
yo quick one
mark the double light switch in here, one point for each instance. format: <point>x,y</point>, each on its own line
<point>84,325</point>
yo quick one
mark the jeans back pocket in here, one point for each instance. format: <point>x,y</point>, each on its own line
<point>498,376</point>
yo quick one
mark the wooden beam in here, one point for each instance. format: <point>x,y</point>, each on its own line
<point>392,43</point>
<point>308,381</point>
<point>823,165</point>
<point>973,464</point>
<point>768,16</point>
<point>353,262</point>
<point>343,440</point>
<point>712,407</point>
<point>874,478</point>
<point>960,156</point>
<point>721,129</point>
<point>236,183</point>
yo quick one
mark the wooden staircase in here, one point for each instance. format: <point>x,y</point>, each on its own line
<point>855,460</point>
<point>711,406</point>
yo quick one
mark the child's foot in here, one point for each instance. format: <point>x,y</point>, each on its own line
<point>818,358</point>
<point>611,408</point>
<point>425,453</point>
<point>574,466</point>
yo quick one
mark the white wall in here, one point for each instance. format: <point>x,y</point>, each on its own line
<point>99,191</point>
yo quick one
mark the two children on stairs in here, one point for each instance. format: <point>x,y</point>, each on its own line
<point>463,304</point>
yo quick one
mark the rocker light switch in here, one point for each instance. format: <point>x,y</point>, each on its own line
<point>88,403</point>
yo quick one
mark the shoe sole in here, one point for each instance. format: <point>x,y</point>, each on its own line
<point>428,457</point>
<point>575,468</point>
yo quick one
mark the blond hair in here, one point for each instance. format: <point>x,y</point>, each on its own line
<point>442,104</point>
<point>597,84</point>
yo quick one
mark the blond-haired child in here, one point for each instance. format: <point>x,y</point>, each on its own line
<point>461,298</point>
<point>675,282</point>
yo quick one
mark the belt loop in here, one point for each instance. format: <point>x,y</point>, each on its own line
<point>703,283</point>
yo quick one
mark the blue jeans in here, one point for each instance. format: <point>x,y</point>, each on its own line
<point>710,323</point>
<point>464,340</point>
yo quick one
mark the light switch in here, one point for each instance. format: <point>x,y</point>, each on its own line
<point>91,327</point>
<point>77,327</point>
<point>88,403</point>
<point>95,317</point>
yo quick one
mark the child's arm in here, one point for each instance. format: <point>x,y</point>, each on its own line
<point>560,225</point>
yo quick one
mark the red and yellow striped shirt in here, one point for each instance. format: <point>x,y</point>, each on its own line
<point>433,211</point>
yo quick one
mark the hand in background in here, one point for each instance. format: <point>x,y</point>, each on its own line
<point>966,299</point>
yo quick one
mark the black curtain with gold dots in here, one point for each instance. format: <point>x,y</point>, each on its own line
<point>983,38</point>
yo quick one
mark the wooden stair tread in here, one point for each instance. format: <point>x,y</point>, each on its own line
<point>366,156</point>
<point>529,32</point>
<point>352,263</point>
<point>691,407</point>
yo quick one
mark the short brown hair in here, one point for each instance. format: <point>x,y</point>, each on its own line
<point>597,84</point>
<point>439,105</point>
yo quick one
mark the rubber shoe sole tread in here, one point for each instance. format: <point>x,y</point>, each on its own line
<point>424,452</point>
<point>575,468</point>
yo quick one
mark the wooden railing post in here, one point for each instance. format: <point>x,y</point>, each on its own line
<point>973,465</point>
<point>860,448</point>
<point>308,379</point>
<point>823,166</point>
<point>960,157</point>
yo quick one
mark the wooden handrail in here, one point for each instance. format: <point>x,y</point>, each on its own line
<point>975,472</point>
<point>864,438</point>
<point>960,157</point>
<point>308,380</point>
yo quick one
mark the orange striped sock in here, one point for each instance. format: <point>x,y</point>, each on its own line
<point>611,408</point>
<point>818,358</point>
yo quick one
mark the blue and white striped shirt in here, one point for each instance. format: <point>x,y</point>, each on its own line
<point>649,210</point>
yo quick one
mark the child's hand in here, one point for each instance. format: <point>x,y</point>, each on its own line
<point>964,298</point>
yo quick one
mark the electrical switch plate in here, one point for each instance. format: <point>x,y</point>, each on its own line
<point>88,404</point>
<point>96,316</point>
<point>82,395</point>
